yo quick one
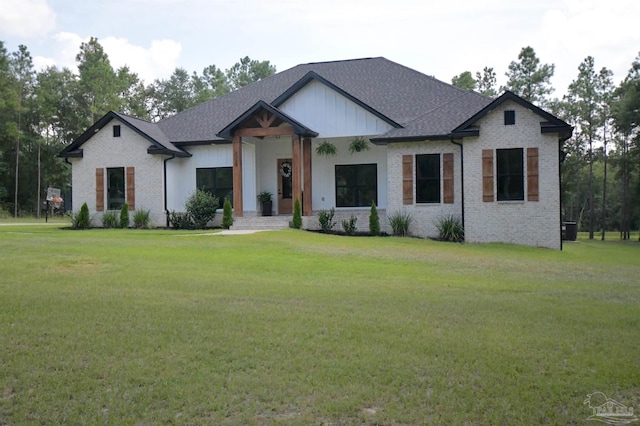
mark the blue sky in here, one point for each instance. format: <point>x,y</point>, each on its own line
<point>437,38</point>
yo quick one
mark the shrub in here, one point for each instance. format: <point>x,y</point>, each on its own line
<point>180,220</point>
<point>450,229</point>
<point>400,222</point>
<point>141,219</point>
<point>227,214</point>
<point>325,217</point>
<point>81,219</point>
<point>124,216</point>
<point>201,206</point>
<point>374,221</point>
<point>110,219</point>
<point>297,215</point>
<point>349,225</point>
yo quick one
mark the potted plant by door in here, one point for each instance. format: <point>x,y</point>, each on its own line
<point>265,198</point>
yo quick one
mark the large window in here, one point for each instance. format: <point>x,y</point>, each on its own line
<point>217,181</point>
<point>356,185</point>
<point>510,173</point>
<point>115,188</point>
<point>428,178</point>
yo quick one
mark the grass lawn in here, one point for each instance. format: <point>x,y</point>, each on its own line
<point>291,327</point>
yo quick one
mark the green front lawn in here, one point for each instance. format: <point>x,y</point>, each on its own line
<point>292,327</point>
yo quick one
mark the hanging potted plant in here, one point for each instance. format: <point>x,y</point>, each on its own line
<point>358,145</point>
<point>266,200</point>
<point>326,149</point>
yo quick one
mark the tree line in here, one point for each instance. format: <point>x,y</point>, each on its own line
<point>601,162</point>
<point>43,111</point>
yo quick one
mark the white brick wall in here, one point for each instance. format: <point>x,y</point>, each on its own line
<point>534,223</point>
<point>425,216</point>
<point>129,150</point>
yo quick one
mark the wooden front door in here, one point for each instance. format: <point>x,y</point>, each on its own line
<point>285,186</point>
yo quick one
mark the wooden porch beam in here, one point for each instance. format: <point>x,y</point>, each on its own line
<point>260,131</point>
<point>296,163</point>
<point>306,166</point>
<point>237,175</point>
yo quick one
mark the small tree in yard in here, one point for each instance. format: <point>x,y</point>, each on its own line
<point>227,215</point>
<point>124,216</point>
<point>201,206</point>
<point>297,215</point>
<point>374,221</point>
<point>81,219</point>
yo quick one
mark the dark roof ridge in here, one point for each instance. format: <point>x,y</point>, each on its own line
<point>341,60</point>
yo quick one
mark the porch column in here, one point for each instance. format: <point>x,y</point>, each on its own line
<point>237,176</point>
<point>296,178</point>
<point>306,152</point>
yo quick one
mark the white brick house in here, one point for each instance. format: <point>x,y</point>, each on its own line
<point>434,150</point>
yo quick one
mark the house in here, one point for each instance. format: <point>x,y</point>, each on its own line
<point>434,150</point>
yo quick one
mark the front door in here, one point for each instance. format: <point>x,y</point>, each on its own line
<point>285,186</point>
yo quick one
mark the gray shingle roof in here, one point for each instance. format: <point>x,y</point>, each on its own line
<point>395,91</point>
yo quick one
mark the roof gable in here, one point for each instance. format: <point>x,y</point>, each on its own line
<point>159,142</point>
<point>277,117</point>
<point>312,76</point>
<point>552,124</point>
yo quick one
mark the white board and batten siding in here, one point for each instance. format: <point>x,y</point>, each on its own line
<point>331,114</point>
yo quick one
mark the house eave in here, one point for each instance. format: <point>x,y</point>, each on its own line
<point>77,153</point>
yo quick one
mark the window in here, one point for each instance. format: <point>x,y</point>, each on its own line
<point>510,172</point>
<point>509,118</point>
<point>116,131</point>
<point>217,181</point>
<point>115,188</point>
<point>356,185</point>
<point>428,178</point>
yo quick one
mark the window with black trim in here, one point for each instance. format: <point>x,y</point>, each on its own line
<point>116,131</point>
<point>115,188</point>
<point>510,171</point>
<point>217,181</point>
<point>428,178</point>
<point>356,185</point>
<point>509,118</point>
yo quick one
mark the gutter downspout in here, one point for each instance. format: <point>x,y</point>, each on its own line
<point>461,175</point>
<point>166,212</point>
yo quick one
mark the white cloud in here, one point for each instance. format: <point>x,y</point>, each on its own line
<point>156,61</point>
<point>26,18</point>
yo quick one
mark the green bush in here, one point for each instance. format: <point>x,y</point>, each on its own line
<point>400,222</point>
<point>180,220</point>
<point>227,214</point>
<point>124,216</point>
<point>325,217</point>
<point>141,219</point>
<point>374,221</point>
<point>201,206</point>
<point>297,215</point>
<point>450,229</point>
<point>110,219</point>
<point>81,219</point>
<point>349,225</point>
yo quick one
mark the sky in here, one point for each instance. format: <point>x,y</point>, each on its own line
<point>438,38</point>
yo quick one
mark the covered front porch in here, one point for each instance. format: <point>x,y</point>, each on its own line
<point>283,160</point>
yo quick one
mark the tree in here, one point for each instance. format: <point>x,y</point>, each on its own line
<point>248,71</point>
<point>487,82</point>
<point>21,66</point>
<point>464,81</point>
<point>626,117</point>
<point>98,85</point>
<point>586,95</point>
<point>8,129</point>
<point>529,79</point>
<point>173,95</point>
